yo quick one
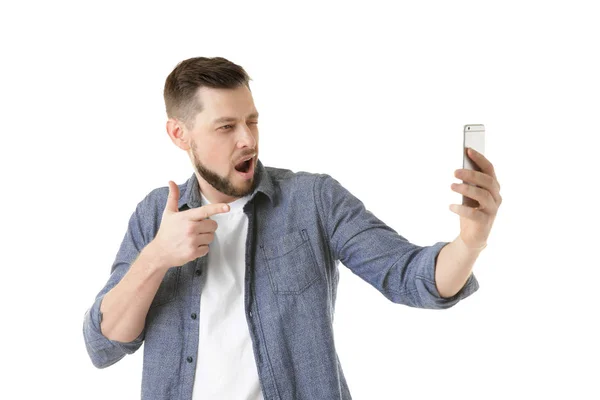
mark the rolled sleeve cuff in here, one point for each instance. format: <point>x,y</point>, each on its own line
<point>426,288</point>
<point>104,351</point>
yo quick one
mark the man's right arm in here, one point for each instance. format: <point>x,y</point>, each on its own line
<point>124,308</point>
<point>114,325</point>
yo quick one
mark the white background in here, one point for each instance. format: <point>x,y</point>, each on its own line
<point>375,95</point>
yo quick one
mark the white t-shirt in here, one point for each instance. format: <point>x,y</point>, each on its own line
<point>226,367</point>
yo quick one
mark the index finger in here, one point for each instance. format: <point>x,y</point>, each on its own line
<point>200,213</point>
<point>482,162</point>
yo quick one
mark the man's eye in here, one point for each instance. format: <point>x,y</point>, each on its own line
<point>226,127</point>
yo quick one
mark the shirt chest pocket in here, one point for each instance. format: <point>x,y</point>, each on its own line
<point>291,262</point>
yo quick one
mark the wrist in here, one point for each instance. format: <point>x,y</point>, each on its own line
<point>467,248</point>
<point>152,257</point>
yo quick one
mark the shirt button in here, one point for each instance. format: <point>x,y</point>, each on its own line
<point>250,314</point>
<point>190,359</point>
<point>194,315</point>
<point>198,272</point>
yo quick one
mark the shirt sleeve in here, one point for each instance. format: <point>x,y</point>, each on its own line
<point>103,351</point>
<point>402,271</point>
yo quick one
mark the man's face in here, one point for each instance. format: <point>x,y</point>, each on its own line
<point>217,145</point>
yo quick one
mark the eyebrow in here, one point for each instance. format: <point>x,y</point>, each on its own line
<point>231,119</point>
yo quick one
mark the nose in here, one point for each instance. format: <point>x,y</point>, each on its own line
<point>246,137</point>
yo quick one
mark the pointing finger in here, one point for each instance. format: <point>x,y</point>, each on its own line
<point>200,213</point>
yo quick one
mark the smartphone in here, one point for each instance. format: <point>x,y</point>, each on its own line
<point>473,137</point>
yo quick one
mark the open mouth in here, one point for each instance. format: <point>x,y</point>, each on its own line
<point>244,166</point>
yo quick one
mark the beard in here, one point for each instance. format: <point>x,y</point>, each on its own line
<point>223,184</point>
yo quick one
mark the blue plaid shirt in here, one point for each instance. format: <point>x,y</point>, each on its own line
<point>300,226</point>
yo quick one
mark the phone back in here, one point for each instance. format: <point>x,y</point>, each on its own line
<point>473,137</point>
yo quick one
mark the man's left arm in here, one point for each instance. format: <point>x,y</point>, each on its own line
<point>453,267</point>
<point>455,260</point>
<point>403,272</point>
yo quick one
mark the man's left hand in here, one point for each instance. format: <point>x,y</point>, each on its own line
<point>476,223</point>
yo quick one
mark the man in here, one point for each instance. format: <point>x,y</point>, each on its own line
<point>253,318</point>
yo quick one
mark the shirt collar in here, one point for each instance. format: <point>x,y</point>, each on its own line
<point>191,197</point>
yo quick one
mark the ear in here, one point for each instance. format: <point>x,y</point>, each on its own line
<point>177,133</point>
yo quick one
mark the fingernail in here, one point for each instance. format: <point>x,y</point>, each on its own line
<point>225,208</point>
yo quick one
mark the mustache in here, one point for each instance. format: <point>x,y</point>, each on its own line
<point>245,156</point>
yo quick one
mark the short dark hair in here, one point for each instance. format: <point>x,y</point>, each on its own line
<point>182,84</point>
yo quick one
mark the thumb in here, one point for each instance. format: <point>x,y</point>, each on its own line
<point>173,198</point>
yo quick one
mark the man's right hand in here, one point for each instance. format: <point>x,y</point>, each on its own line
<point>185,235</point>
